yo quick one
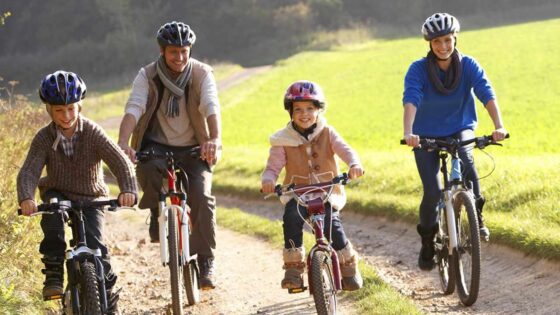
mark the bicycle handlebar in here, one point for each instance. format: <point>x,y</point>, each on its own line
<point>341,179</point>
<point>67,204</point>
<point>449,143</point>
<point>143,156</point>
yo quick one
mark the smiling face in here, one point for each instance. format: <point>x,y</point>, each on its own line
<point>176,57</point>
<point>443,46</point>
<point>304,114</point>
<point>65,116</point>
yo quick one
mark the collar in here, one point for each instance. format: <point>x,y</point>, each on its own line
<point>290,137</point>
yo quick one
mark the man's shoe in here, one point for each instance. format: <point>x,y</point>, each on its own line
<point>112,301</point>
<point>154,226</point>
<point>206,267</point>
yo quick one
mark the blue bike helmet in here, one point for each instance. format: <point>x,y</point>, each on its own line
<point>175,34</point>
<point>62,88</point>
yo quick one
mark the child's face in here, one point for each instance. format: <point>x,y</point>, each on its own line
<point>304,114</point>
<point>65,116</point>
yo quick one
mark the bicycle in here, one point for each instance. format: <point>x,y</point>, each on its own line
<point>323,270</point>
<point>457,243</point>
<point>85,292</point>
<point>174,230</point>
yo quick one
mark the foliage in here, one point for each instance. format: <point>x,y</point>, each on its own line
<point>21,282</point>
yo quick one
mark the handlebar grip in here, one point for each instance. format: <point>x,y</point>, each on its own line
<point>19,212</point>
<point>403,141</point>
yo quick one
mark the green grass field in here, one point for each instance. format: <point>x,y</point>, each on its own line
<point>364,84</point>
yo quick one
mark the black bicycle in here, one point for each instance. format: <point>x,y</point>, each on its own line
<point>457,243</point>
<point>85,293</point>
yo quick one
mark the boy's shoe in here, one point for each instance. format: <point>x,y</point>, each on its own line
<point>426,260</point>
<point>54,278</point>
<point>154,226</point>
<point>483,230</point>
<point>294,267</point>
<point>206,266</point>
<point>348,261</point>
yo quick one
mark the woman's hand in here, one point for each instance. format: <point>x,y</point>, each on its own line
<point>499,134</point>
<point>355,171</point>
<point>412,140</point>
<point>127,199</point>
<point>28,207</point>
<point>267,187</point>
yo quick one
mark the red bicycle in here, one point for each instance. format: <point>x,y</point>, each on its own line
<point>323,270</point>
<point>174,230</point>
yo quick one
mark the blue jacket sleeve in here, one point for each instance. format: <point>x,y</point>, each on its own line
<point>480,83</point>
<point>413,84</point>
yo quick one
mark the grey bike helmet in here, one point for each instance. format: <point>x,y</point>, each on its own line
<point>175,34</point>
<point>440,24</point>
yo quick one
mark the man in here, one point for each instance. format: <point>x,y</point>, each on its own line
<point>174,106</point>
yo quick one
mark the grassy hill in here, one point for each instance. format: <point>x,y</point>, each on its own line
<point>364,85</point>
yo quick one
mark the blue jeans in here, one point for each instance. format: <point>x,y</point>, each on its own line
<point>293,226</point>
<point>428,165</point>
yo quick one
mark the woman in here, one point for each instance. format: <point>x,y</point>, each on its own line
<point>438,102</point>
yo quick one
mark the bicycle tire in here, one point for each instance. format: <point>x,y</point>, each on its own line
<point>174,270</point>
<point>468,252</point>
<point>324,290</point>
<point>445,262</point>
<point>190,279</point>
<point>89,290</point>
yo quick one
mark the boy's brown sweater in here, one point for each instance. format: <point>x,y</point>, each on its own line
<point>79,177</point>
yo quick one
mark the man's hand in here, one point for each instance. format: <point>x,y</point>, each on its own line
<point>355,171</point>
<point>267,187</point>
<point>127,199</point>
<point>28,207</point>
<point>209,151</point>
<point>130,152</point>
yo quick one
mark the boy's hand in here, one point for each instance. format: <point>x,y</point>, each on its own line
<point>28,207</point>
<point>127,199</point>
<point>267,187</point>
<point>355,171</point>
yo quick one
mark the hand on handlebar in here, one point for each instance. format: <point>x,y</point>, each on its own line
<point>127,199</point>
<point>128,151</point>
<point>209,151</point>
<point>28,207</point>
<point>267,187</point>
<point>412,140</point>
<point>499,134</point>
<point>355,171</point>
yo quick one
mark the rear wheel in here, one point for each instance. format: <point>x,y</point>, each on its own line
<point>190,277</point>
<point>444,260</point>
<point>468,252</point>
<point>89,289</point>
<point>175,271</point>
<point>324,290</point>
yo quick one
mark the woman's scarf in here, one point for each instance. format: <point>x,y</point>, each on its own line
<point>174,88</point>
<point>452,75</point>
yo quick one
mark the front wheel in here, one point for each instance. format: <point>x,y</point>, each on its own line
<point>89,290</point>
<point>444,259</point>
<point>324,290</point>
<point>468,251</point>
<point>175,271</point>
<point>190,278</point>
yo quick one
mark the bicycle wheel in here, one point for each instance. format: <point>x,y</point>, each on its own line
<point>190,279</point>
<point>89,289</point>
<point>324,290</point>
<point>444,260</point>
<point>175,271</point>
<point>468,252</point>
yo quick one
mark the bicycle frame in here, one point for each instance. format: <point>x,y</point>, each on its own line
<point>451,188</point>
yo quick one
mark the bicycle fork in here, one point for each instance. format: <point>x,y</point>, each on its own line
<point>183,227</point>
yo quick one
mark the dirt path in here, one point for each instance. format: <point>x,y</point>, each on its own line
<point>248,272</point>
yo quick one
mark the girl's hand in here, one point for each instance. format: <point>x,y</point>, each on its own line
<point>28,207</point>
<point>412,140</point>
<point>267,187</point>
<point>355,171</point>
<point>127,199</point>
<point>499,134</point>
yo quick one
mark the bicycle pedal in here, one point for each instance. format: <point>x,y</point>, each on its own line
<point>53,297</point>
<point>297,290</point>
